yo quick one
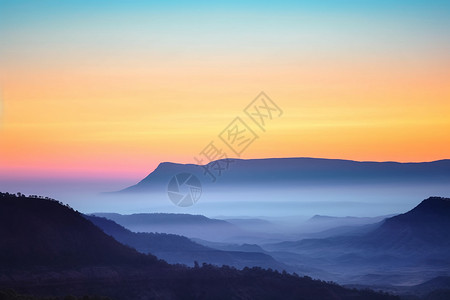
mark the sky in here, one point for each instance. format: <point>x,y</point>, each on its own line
<point>109,89</point>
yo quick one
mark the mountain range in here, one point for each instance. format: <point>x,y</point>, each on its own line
<point>179,249</point>
<point>408,243</point>
<point>362,250</point>
<point>50,249</point>
<point>193,226</point>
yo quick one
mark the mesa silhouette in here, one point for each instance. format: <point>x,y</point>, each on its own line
<point>296,171</point>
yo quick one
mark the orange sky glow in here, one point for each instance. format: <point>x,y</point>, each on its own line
<point>108,110</point>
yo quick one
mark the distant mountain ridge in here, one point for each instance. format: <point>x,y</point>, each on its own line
<point>192,226</point>
<point>161,219</point>
<point>327,222</point>
<point>299,171</point>
<point>179,249</point>
<point>409,243</point>
<point>423,226</point>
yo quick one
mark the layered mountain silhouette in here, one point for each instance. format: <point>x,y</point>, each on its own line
<point>49,249</point>
<point>421,231</point>
<point>407,243</point>
<point>323,223</point>
<point>179,249</point>
<point>423,227</point>
<point>192,226</point>
<point>297,171</point>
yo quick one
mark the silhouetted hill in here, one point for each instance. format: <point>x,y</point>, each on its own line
<point>231,246</point>
<point>396,250</point>
<point>49,249</point>
<point>179,249</point>
<point>435,288</point>
<point>347,220</point>
<point>355,230</point>
<point>437,283</point>
<point>192,226</point>
<point>37,232</point>
<point>422,230</point>
<point>249,222</point>
<point>300,171</point>
<point>321,223</point>
<point>164,219</point>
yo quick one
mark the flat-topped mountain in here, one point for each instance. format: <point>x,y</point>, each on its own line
<point>297,171</point>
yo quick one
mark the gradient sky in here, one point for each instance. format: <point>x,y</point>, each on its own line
<point>108,89</point>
